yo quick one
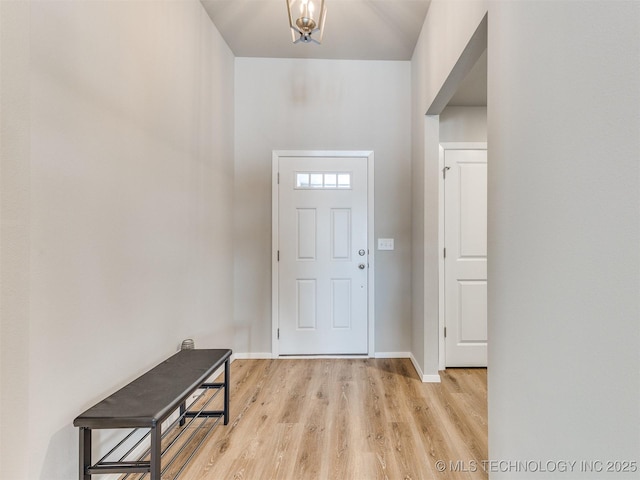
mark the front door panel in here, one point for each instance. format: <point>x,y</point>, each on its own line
<point>322,232</point>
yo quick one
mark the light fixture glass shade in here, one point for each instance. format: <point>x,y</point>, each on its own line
<point>306,17</point>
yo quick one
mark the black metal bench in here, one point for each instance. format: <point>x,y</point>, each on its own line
<point>146,403</point>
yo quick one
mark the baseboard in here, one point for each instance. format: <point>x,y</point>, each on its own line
<point>252,356</point>
<point>319,357</point>
<point>416,366</point>
<point>392,355</point>
<point>265,355</point>
<point>423,377</point>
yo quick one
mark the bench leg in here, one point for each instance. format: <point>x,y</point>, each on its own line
<point>156,451</point>
<point>183,408</point>
<point>227,383</point>
<point>85,452</point>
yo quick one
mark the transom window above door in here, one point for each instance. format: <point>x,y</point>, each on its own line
<point>323,180</point>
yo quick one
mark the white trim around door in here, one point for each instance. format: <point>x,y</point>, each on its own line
<point>441,242</point>
<point>277,154</point>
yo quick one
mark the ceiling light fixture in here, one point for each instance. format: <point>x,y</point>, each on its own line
<point>310,20</point>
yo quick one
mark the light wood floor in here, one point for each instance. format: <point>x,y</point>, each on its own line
<point>346,419</point>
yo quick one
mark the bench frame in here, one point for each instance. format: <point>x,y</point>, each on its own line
<point>87,423</point>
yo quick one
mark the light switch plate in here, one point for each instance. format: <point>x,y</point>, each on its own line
<point>385,244</point>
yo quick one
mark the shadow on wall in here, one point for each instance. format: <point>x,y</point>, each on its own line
<point>59,447</point>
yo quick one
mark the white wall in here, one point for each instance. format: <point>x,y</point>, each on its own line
<point>564,236</point>
<point>284,104</point>
<point>14,237</point>
<point>564,215</point>
<point>463,124</point>
<point>117,174</point>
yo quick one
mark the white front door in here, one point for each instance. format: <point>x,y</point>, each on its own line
<point>465,227</point>
<point>323,256</point>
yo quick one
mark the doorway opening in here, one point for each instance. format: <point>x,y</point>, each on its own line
<point>454,116</point>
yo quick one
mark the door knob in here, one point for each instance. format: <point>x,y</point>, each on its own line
<point>361,266</point>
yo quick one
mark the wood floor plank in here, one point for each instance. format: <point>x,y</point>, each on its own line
<point>286,452</point>
<point>377,422</point>
<point>313,415</point>
<point>326,419</point>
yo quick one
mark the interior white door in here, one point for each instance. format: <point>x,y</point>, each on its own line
<point>322,248</point>
<point>465,232</point>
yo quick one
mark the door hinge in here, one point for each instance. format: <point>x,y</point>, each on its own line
<point>445,332</point>
<point>444,172</point>
<point>278,181</point>
<point>444,252</point>
<point>278,334</point>
<point>278,255</point>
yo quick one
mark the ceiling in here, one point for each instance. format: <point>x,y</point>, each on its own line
<point>354,30</point>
